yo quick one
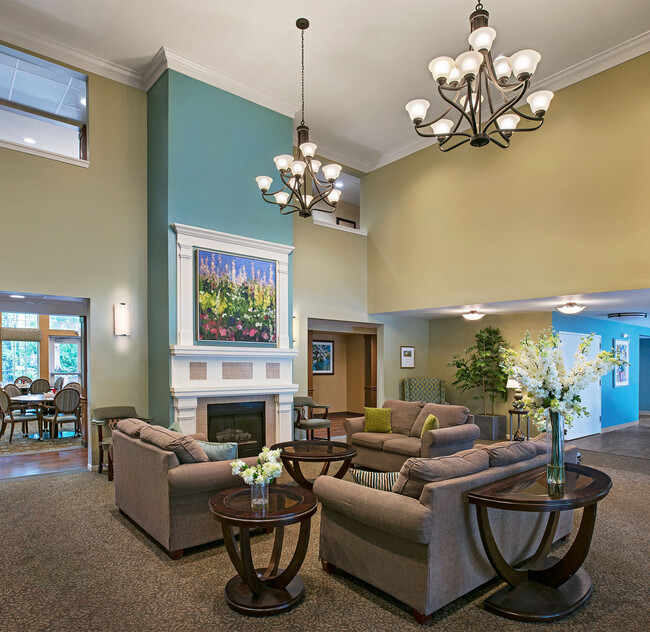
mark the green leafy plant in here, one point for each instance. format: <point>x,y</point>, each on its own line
<point>480,368</point>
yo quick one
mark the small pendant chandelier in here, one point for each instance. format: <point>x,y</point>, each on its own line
<point>479,94</point>
<point>302,190</point>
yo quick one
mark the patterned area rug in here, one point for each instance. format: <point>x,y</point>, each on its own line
<point>21,444</point>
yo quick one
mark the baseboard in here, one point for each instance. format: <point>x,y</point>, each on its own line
<point>644,412</point>
<point>619,427</point>
<point>93,468</point>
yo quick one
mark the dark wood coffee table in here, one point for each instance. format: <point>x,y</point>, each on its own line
<point>318,451</point>
<point>548,588</point>
<point>271,590</point>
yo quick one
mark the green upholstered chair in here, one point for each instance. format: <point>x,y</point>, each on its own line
<point>65,411</point>
<point>305,419</point>
<point>13,417</point>
<point>430,390</point>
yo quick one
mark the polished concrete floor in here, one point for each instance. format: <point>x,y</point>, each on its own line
<point>633,441</point>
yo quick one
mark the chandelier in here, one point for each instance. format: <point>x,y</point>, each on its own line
<point>480,95</point>
<point>302,189</point>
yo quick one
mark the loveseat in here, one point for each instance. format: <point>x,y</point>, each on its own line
<point>426,551</point>
<point>387,452</point>
<point>166,498</point>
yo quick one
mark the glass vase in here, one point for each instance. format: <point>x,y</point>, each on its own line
<point>555,454</point>
<point>259,495</point>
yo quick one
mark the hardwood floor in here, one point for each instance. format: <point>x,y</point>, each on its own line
<point>336,429</point>
<point>27,464</point>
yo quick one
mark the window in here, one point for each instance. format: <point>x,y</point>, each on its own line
<point>43,106</point>
<point>23,321</point>
<point>19,357</point>
<point>66,323</point>
<point>65,358</point>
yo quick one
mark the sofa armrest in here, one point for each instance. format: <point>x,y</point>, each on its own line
<point>399,515</point>
<point>198,478</point>
<point>470,419</point>
<point>449,436</point>
<point>353,425</point>
<point>199,436</point>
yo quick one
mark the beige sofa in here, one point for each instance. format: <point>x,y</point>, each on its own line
<point>167,499</point>
<point>387,452</point>
<point>426,551</point>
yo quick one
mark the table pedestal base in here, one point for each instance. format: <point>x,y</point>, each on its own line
<point>272,600</point>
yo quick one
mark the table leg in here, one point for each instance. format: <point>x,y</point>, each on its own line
<point>344,468</point>
<point>300,478</point>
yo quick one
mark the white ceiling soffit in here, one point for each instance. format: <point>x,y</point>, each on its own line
<point>357,115</point>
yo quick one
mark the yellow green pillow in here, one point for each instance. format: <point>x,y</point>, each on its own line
<point>377,419</point>
<point>431,423</point>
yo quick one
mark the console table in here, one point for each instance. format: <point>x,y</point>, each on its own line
<point>548,588</point>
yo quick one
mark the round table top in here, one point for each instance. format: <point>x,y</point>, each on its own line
<point>287,505</point>
<point>315,450</point>
<point>40,397</point>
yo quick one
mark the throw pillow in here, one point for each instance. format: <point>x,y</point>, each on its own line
<point>382,481</point>
<point>431,423</point>
<point>377,419</point>
<point>132,427</point>
<point>183,446</point>
<point>219,451</point>
<point>175,427</point>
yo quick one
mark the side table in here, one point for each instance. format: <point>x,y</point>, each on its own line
<point>270,590</point>
<point>548,588</point>
<point>519,435</point>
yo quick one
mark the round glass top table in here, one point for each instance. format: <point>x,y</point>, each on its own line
<point>269,590</point>
<point>549,588</point>
<point>293,453</point>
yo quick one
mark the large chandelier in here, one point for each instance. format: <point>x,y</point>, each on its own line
<point>302,190</point>
<point>479,94</point>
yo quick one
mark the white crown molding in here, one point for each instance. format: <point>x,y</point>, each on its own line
<point>401,151</point>
<point>67,55</point>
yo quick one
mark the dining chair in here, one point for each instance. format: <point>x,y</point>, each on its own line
<point>23,380</point>
<point>66,410</point>
<point>13,418</point>
<point>75,385</point>
<point>58,383</point>
<point>13,391</point>
<point>39,386</point>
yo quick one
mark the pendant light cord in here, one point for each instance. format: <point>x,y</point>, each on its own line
<point>302,49</point>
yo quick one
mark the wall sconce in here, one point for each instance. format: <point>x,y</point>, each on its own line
<point>121,319</point>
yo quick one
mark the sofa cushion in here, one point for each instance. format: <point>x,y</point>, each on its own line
<point>219,451</point>
<point>377,419</point>
<point>447,416</point>
<point>509,452</point>
<point>403,415</point>
<point>418,472</point>
<point>184,447</point>
<point>383,481</point>
<point>132,427</point>
<point>540,443</point>
<point>373,440</point>
<point>410,446</point>
<point>431,423</point>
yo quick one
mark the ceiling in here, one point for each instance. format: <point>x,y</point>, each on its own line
<point>43,304</point>
<point>364,59</point>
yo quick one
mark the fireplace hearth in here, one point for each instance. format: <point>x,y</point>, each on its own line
<point>241,422</point>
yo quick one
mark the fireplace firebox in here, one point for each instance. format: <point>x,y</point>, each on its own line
<point>242,422</point>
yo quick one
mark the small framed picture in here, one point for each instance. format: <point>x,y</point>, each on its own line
<point>347,223</point>
<point>407,358</point>
<point>622,352</point>
<point>322,357</point>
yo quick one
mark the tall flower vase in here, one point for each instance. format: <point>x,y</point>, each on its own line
<point>555,454</point>
<point>259,495</point>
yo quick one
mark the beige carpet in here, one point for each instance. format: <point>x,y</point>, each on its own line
<point>70,562</point>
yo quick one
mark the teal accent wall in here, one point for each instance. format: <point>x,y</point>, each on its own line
<point>202,173</point>
<point>619,405</point>
<point>644,374</point>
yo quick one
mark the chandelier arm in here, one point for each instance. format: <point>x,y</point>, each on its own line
<point>430,123</point>
<point>523,129</point>
<point>498,144</point>
<point>506,106</point>
<point>471,108</point>
<point>527,116</point>
<point>323,196</point>
<point>453,103</point>
<point>462,142</point>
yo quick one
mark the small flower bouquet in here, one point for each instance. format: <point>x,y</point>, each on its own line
<point>259,476</point>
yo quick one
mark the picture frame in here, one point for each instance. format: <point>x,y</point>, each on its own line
<point>346,223</point>
<point>235,299</point>
<point>322,357</point>
<point>622,373</point>
<point>407,357</point>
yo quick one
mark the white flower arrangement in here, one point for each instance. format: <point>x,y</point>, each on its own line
<point>268,468</point>
<point>549,386</point>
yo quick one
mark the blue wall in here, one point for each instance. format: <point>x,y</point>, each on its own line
<point>206,146</point>
<point>619,405</point>
<point>644,374</point>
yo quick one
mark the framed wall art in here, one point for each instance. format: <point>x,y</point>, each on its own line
<point>407,358</point>
<point>622,373</point>
<point>322,357</point>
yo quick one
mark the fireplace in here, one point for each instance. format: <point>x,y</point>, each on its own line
<point>241,422</point>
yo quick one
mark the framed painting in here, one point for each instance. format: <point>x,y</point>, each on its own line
<point>322,357</point>
<point>235,298</point>
<point>622,373</point>
<point>407,358</point>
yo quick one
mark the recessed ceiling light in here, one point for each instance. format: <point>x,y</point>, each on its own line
<point>339,185</point>
<point>16,296</point>
<point>83,101</point>
<point>473,315</point>
<point>30,141</point>
<point>570,308</point>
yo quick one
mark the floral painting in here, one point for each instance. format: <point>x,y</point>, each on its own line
<point>322,355</point>
<point>236,299</point>
<point>622,372</point>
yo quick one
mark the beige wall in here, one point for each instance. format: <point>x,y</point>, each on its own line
<point>449,336</point>
<point>332,389</point>
<point>564,210</point>
<point>71,231</point>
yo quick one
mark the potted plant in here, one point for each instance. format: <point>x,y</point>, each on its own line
<point>479,369</point>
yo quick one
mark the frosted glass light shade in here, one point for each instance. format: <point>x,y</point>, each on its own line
<point>570,308</point>
<point>441,68</point>
<point>524,63</point>
<point>454,76</point>
<point>473,315</point>
<point>283,161</point>
<point>502,67</point>
<point>308,149</point>
<point>481,39</point>
<point>508,122</point>
<point>441,127</point>
<point>539,101</point>
<point>282,197</point>
<point>121,319</point>
<point>307,199</point>
<point>463,101</point>
<point>315,166</point>
<point>331,172</point>
<point>264,183</point>
<point>469,63</point>
<point>334,196</point>
<point>417,109</point>
<point>298,167</point>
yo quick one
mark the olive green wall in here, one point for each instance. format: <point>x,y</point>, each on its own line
<point>564,210</point>
<point>71,231</point>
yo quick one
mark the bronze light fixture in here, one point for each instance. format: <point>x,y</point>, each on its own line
<point>302,190</point>
<point>479,94</point>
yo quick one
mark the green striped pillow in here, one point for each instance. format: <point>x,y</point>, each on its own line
<point>383,481</point>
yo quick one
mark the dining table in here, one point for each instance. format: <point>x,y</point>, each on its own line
<point>39,402</point>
